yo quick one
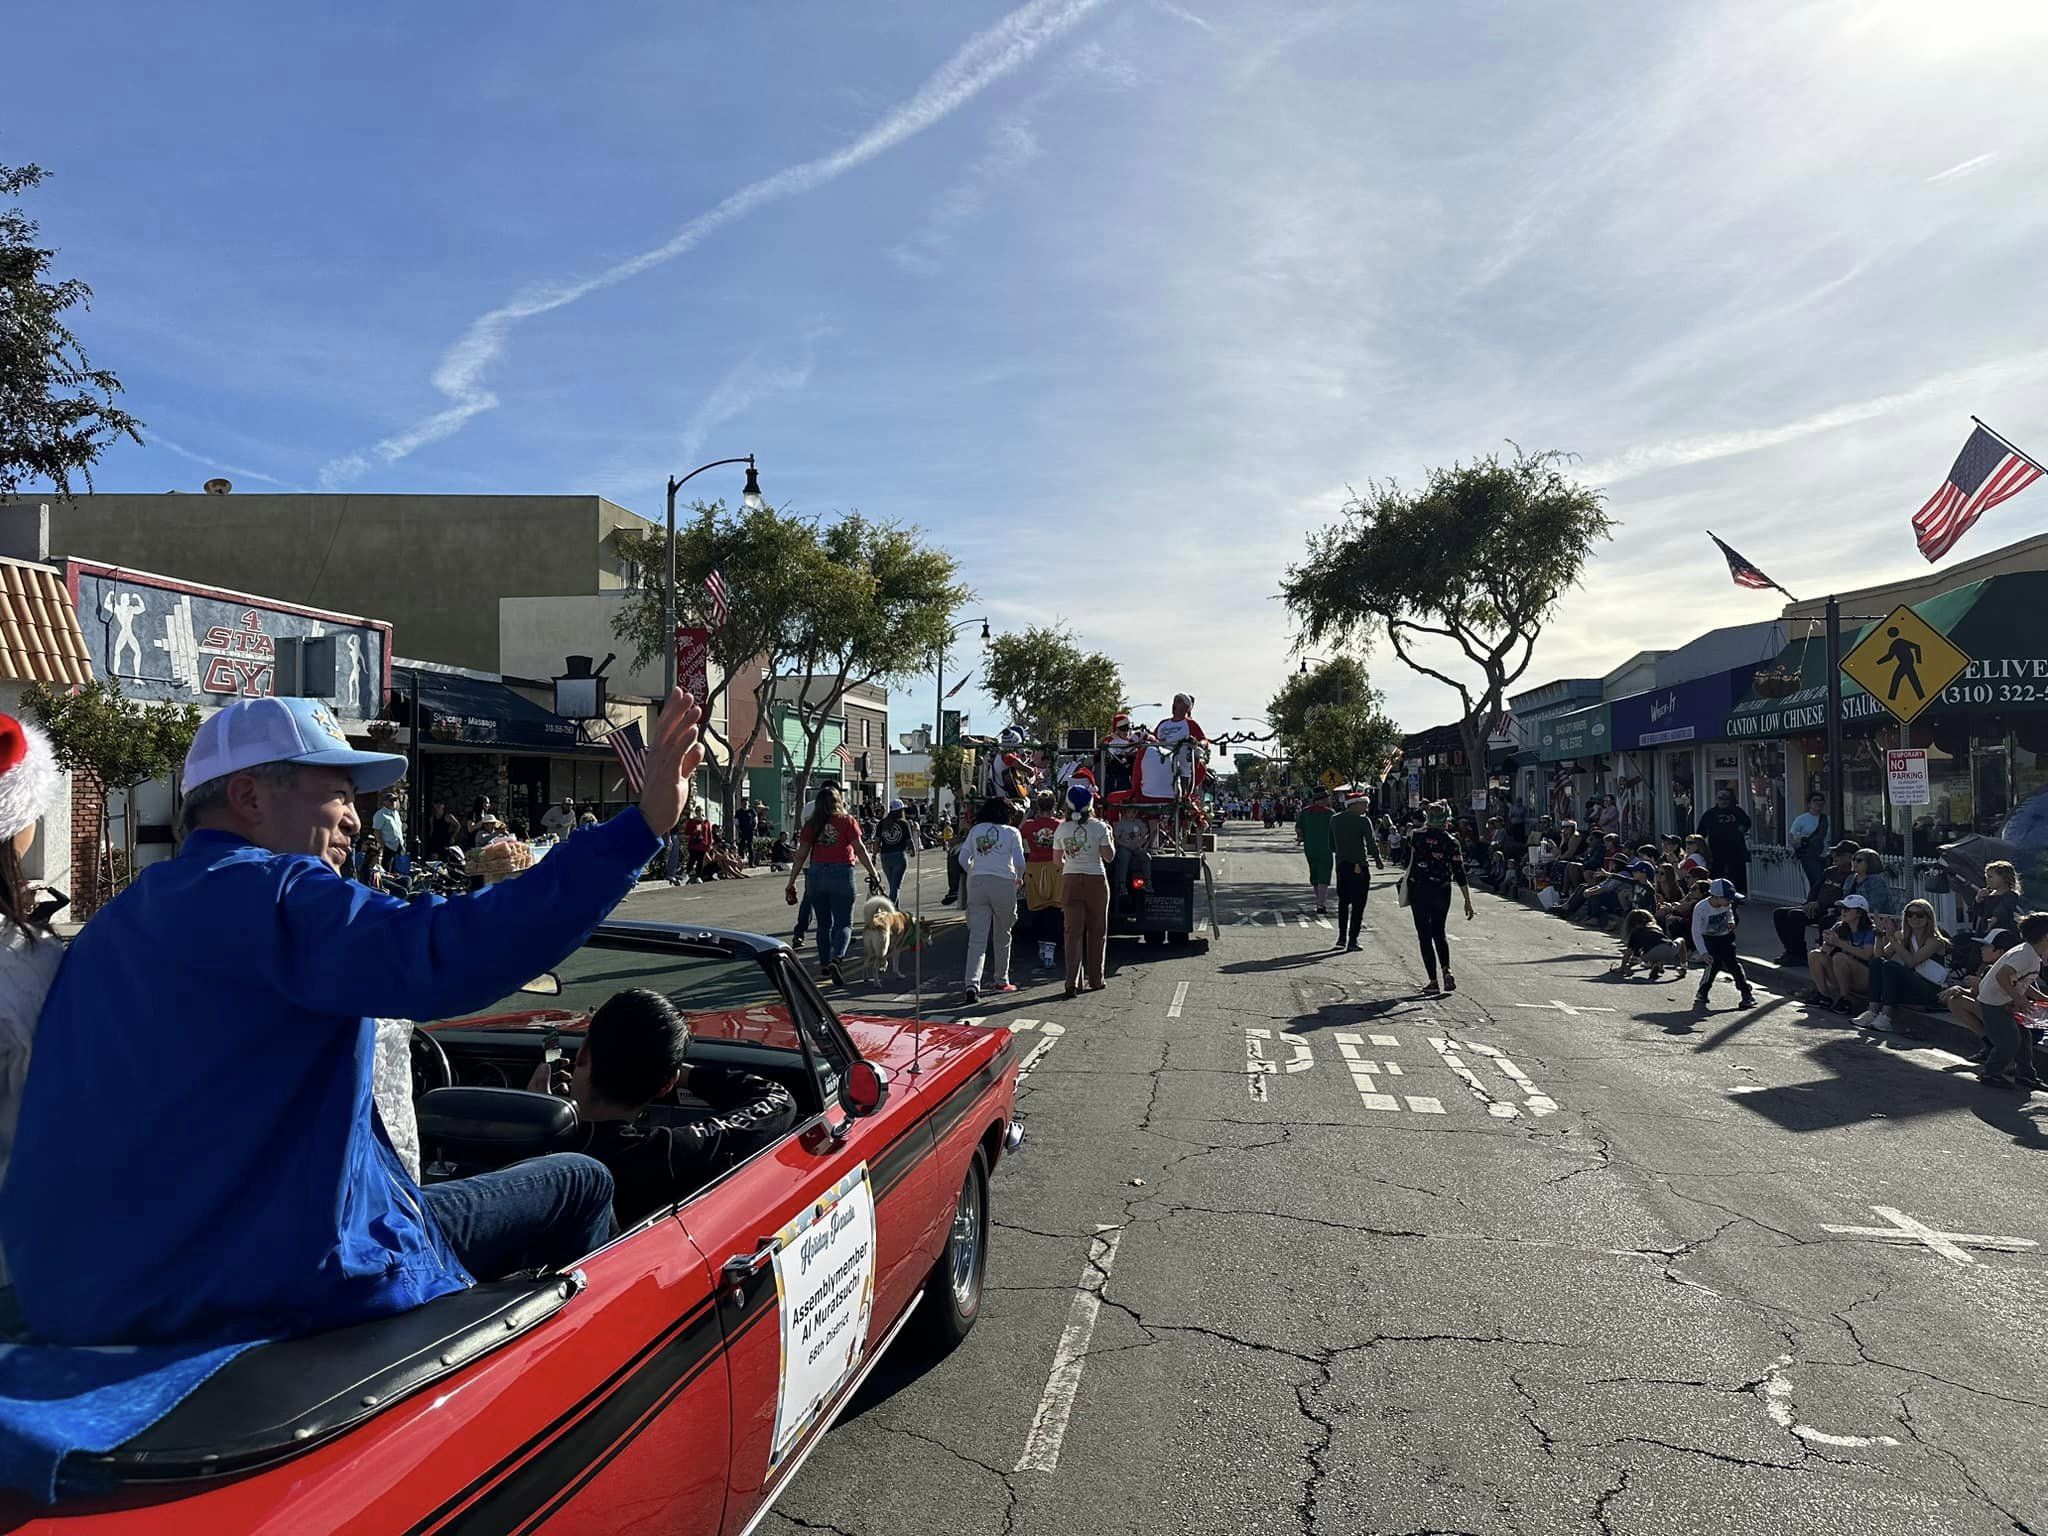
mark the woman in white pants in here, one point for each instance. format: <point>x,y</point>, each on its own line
<point>992,854</point>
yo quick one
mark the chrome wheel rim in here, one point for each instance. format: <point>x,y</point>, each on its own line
<point>967,1243</point>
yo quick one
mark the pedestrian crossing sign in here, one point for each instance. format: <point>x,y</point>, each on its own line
<point>1904,663</point>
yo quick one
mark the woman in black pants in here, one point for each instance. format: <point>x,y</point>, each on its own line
<point>1434,862</point>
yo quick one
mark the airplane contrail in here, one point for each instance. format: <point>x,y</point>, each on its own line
<point>981,61</point>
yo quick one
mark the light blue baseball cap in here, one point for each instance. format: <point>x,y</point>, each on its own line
<point>252,732</point>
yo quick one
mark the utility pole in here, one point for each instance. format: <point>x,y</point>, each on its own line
<point>1834,720</point>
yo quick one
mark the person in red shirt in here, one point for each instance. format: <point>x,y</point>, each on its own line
<point>697,834</point>
<point>829,845</point>
<point>1038,831</point>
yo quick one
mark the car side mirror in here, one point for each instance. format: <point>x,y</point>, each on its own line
<point>546,984</point>
<point>866,1090</point>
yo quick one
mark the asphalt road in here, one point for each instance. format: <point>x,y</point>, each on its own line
<point>1294,1249</point>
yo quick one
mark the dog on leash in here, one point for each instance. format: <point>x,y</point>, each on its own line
<point>885,933</point>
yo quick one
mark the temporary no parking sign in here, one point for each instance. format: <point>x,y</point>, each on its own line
<point>1906,776</point>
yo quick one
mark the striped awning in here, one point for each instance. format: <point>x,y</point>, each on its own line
<point>40,640</point>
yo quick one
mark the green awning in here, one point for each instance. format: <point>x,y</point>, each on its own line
<point>1585,732</point>
<point>1997,621</point>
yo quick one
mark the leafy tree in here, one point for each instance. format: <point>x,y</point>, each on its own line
<point>1462,574</point>
<point>1047,681</point>
<point>98,733</point>
<point>771,570</point>
<point>57,411</point>
<point>882,602</point>
<point>1332,720</point>
<point>949,767</point>
<point>1252,770</point>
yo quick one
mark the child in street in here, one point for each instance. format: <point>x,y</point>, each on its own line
<point>1644,943</point>
<point>2001,997</point>
<point>1713,935</point>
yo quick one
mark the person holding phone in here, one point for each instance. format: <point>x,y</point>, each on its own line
<point>1910,966</point>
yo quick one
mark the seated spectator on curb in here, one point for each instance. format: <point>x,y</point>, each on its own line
<point>1971,961</point>
<point>1571,858</point>
<point>1910,966</point>
<point>1995,904</point>
<point>1695,861</point>
<point>1817,910</point>
<point>1840,967</point>
<point>1644,943</point>
<point>1868,880</point>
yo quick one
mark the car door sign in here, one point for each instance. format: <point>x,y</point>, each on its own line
<point>825,1278</point>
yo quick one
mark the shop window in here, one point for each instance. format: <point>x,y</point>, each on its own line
<point>1766,773</point>
<point>1679,791</point>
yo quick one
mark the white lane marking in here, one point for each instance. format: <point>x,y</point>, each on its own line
<point>1423,1104</point>
<point>1324,922</point>
<point>1562,1007</point>
<point>1447,1049</point>
<point>1056,1406</point>
<point>1384,1040</point>
<point>1180,996</point>
<point>1391,1068</point>
<point>1533,1099</point>
<point>1052,1033</point>
<point>1017,1024</point>
<point>1778,1404</point>
<point>1949,1245</point>
<point>1347,1047</point>
<point>1302,918</point>
<point>1255,1064</point>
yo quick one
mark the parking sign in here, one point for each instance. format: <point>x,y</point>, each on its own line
<point>1906,776</point>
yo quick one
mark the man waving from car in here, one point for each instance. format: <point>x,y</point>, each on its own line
<point>199,1157</point>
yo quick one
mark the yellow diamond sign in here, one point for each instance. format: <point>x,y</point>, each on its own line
<point>1904,663</point>
<point>1331,778</point>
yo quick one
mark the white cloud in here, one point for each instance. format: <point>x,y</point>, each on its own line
<point>983,60</point>
<point>1964,168</point>
<point>158,440</point>
<point>754,379</point>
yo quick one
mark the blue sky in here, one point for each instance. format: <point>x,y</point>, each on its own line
<point>1114,297</point>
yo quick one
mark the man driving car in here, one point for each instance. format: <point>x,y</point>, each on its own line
<point>199,1158</point>
<point>635,1052</point>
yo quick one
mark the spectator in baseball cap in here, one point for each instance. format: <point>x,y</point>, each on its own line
<point>203,1074</point>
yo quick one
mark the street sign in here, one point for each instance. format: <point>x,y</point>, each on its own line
<point>1331,778</point>
<point>693,661</point>
<point>1906,776</point>
<point>1904,663</point>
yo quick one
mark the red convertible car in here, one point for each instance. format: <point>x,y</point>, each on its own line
<point>674,1380</point>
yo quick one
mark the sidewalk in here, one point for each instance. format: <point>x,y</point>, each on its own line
<point>1757,943</point>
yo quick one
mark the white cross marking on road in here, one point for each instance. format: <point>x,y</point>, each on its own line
<point>1949,1245</point>
<point>1422,1104</point>
<point>1563,1007</point>
<point>1384,1040</point>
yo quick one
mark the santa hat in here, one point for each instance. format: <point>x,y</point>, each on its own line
<point>29,779</point>
<point>1079,795</point>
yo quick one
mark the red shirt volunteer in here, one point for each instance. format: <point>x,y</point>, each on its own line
<point>835,843</point>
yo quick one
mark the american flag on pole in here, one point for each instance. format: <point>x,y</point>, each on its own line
<point>1988,470</point>
<point>1744,573</point>
<point>631,749</point>
<point>721,599</point>
<point>844,753</point>
<point>959,685</point>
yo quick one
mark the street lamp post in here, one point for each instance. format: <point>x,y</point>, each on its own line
<point>752,500</point>
<point>939,703</point>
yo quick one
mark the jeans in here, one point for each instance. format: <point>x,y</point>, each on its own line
<point>1602,905</point>
<point>1791,924</point>
<point>1723,959</point>
<point>893,866</point>
<point>1352,885</point>
<point>1084,901</point>
<point>544,1213</point>
<point>2011,1048</point>
<point>831,894</point>
<point>991,915</point>
<point>1893,982</point>
<point>1430,904</point>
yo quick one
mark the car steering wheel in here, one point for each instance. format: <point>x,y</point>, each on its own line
<point>430,1065</point>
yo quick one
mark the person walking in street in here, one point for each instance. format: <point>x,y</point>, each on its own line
<point>1434,863</point>
<point>1713,936</point>
<point>746,823</point>
<point>992,856</point>
<point>2017,975</point>
<point>1351,843</point>
<point>829,846</point>
<point>1725,826</point>
<point>896,841</point>
<point>697,844</point>
<point>1086,846</point>
<point>1312,831</point>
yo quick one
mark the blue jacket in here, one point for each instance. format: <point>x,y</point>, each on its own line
<point>198,1156</point>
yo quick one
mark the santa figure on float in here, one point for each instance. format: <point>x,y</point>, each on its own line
<point>1177,738</point>
<point>1015,777</point>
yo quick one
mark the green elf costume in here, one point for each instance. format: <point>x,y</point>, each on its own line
<point>1312,829</point>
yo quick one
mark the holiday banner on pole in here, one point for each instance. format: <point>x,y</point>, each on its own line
<point>693,661</point>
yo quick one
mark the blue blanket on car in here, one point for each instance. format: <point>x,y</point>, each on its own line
<point>58,1400</point>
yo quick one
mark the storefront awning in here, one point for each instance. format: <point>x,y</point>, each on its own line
<point>475,712</point>
<point>1582,733</point>
<point>1694,710</point>
<point>1995,621</point>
